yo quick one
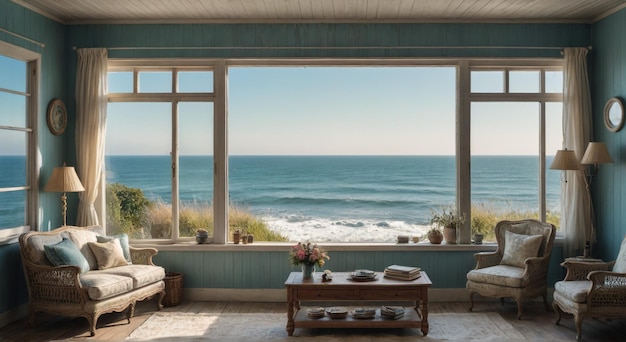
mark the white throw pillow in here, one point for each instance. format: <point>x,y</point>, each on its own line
<point>518,247</point>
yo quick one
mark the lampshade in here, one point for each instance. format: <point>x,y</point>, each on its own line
<point>64,179</point>
<point>565,160</point>
<point>596,153</point>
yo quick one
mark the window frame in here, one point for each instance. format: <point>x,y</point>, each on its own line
<point>173,97</point>
<point>33,65</point>
<point>464,121</point>
<point>464,98</point>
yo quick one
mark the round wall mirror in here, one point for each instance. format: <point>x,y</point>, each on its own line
<point>614,114</point>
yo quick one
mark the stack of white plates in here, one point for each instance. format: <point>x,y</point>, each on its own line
<point>337,312</point>
<point>393,312</point>
<point>317,312</point>
<point>364,313</point>
<point>363,275</point>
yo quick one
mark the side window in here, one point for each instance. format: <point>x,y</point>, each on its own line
<point>506,144</point>
<point>17,134</point>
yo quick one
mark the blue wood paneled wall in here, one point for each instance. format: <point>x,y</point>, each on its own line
<point>269,270</point>
<point>608,79</point>
<point>52,149</point>
<point>331,40</point>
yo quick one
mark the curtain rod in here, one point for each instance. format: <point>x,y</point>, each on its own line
<point>24,38</point>
<point>329,47</point>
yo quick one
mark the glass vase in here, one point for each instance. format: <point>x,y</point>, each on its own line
<point>308,271</point>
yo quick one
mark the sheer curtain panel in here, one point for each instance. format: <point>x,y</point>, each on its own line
<point>576,213</point>
<point>91,107</point>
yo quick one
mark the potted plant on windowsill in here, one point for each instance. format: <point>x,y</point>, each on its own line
<point>448,219</point>
<point>435,236</point>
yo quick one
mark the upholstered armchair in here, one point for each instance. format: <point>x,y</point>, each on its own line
<point>591,290</point>
<point>518,268</point>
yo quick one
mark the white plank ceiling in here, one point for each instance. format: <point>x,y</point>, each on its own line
<point>323,11</point>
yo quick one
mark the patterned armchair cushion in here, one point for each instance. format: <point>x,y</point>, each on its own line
<point>620,261</point>
<point>66,253</point>
<point>502,275</point>
<point>518,247</point>
<point>576,291</point>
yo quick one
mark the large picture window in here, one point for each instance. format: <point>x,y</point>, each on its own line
<point>328,152</point>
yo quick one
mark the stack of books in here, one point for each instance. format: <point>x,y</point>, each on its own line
<point>402,272</point>
<point>392,312</point>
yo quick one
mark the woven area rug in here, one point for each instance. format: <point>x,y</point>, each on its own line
<point>170,326</point>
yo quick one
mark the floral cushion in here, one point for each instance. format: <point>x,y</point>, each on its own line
<point>498,275</point>
<point>519,247</point>
<point>123,242</point>
<point>620,262</point>
<point>108,254</point>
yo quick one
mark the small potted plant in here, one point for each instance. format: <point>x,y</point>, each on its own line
<point>435,236</point>
<point>202,235</point>
<point>236,236</point>
<point>449,220</point>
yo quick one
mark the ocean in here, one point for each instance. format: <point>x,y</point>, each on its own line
<point>361,198</point>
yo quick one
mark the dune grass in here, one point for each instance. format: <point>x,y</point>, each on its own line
<point>485,216</point>
<point>157,222</point>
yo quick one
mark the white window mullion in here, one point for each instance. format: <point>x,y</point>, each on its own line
<point>463,142</point>
<point>175,173</point>
<point>220,155</point>
<point>542,160</point>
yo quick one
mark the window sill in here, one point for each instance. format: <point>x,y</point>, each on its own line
<point>192,246</point>
<point>330,247</point>
<point>12,235</point>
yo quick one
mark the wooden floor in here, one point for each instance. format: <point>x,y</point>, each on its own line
<point>536,324</point>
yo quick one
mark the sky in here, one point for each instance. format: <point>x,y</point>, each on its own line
<point>319,111</point>
<point>342,111</point>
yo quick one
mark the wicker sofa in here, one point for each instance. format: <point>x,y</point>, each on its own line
<point>107,283</point>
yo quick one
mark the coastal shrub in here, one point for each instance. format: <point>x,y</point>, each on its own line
<point>126,207</point>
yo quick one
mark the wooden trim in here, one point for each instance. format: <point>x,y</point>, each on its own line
<point>441,295</point>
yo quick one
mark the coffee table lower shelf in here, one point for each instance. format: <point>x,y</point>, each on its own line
<point>410,319</point>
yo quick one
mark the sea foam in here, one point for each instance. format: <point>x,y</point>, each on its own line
<point>324,230</point>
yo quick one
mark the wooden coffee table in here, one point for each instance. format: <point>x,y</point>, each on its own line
<point>341,288</point>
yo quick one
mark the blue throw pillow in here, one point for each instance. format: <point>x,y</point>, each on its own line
<point>123,242</point>
<point>66,253</point>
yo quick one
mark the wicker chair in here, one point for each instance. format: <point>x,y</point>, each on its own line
<point>591,290</point>
<point>518,270</point>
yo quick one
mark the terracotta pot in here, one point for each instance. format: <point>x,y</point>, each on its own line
<point>435,238</point>
<point>449,234</point>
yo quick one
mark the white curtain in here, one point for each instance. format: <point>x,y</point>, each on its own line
<point>91,107</point>
<point>575,202</point>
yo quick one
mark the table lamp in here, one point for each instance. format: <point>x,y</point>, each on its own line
<point>64,179</point>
